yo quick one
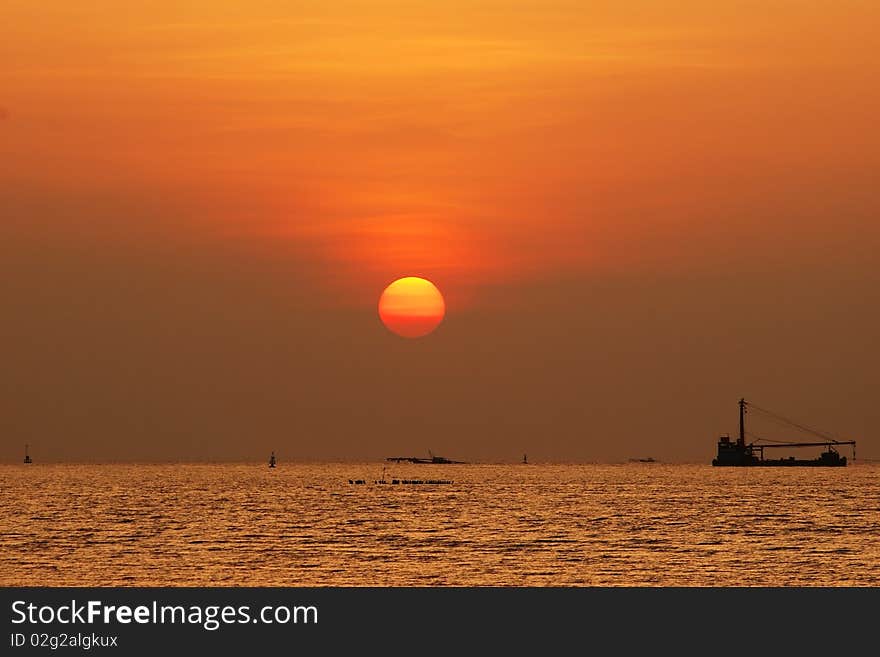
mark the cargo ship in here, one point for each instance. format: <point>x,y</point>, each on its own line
<point>739,453</point>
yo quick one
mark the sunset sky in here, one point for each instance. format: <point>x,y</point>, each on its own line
<point>637,212</point>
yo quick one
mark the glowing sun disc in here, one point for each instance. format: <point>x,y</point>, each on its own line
<point>411,307</point>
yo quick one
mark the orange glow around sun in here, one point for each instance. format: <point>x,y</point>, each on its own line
<point>411,307</point>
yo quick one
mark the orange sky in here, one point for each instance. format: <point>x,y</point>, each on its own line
<point>516,153</point>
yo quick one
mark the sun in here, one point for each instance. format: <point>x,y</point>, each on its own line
<point>411,307</point>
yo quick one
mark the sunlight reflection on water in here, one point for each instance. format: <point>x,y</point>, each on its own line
<point>514,525</point>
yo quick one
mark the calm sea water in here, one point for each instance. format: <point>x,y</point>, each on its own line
<point>519,525</point>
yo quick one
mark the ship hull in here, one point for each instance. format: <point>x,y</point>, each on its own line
<point>782,463</point>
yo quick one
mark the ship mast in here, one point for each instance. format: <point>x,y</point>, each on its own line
<point>742,424</point>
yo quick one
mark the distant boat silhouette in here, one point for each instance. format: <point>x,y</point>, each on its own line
<point>415,459</point>
<point>272,460</point>
<point>27,458</point>
<point>525,459</point>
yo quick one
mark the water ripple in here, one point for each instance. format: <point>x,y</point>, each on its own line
<point>565,525</point>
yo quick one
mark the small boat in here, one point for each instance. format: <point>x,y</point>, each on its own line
<point>649,459</point>
<point>27,457</point>
<point>415,459</point>
<point>739,454</point>
<point>272,460</point>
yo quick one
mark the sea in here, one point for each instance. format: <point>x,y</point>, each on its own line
<point>562,525</point>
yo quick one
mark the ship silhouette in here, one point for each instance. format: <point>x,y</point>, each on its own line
<point>739,454</point>
<point>432,458</point>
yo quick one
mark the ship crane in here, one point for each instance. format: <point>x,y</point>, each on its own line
<point>743,454</point>
<point>829,445</point>
<point>828,441</point>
